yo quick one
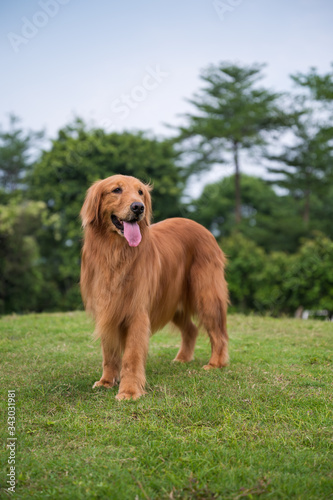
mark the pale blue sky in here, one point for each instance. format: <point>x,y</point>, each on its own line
<point>87,56</point>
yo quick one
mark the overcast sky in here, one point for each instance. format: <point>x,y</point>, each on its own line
<point>130,64</point>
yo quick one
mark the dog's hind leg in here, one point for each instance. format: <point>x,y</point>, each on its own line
<point>213,315</point>
<point>210,300</point>
<point>189,336</point>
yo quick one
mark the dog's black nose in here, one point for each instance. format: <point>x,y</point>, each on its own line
<point>137,207</point>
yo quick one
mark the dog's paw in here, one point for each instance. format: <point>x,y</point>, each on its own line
<point>182,359</point>
<point>130,395</point>
<point>209,367</point>
<point>105,383</point>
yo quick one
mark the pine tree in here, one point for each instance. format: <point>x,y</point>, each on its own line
<point>233,114</point>
<point>16,152</point>
<point>306,166</point>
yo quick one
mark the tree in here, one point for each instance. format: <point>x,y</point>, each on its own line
<point>309,280</point>
<point>319,86</point>
<point>271,294</point>
<point>306,166</point>
<point>245,262</point>
<point>234,115</point>
<point>278,283</point>
<point>268,219</point>
<point>78,157</point>
<point>16,154</point>
<point>322,212</point>
<point>22,284</point>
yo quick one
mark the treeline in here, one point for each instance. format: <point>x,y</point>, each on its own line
<point>277,233</point>
<point>277,263</point>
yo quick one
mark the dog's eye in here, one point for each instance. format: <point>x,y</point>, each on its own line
<point>117,190</point>
<point>140,192</point>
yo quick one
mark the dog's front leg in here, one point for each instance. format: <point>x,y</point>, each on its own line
<point>132,375</point>
<point>111,348</point>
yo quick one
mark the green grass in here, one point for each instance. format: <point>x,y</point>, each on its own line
<point>260,427</point>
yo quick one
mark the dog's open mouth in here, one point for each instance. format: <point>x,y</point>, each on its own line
<point>117,222</point>
<point>130,229</point>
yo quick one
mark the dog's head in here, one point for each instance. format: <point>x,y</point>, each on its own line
<point>121,204</point>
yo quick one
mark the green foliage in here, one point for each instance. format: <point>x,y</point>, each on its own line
<point>309,279</point>
<point>307,165</point>
<point>22,282</point>
<point>322,212</point>
<point>271,295</point>
<point>270,220</point>
<point>245,261</point>
<point>80,156</point>
<point>16,148</point>
<point>233,109</point>
<point>320,86</point>
<point>234,114</point>
<point>277,283</point>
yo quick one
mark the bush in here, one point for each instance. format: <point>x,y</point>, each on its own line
<point>21,276</point>
<point>245,261</point>
<point>271,294</point>
<point>309,280</point>
<point>278,283</point>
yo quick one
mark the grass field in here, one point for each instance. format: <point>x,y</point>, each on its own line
<point>261,427</point>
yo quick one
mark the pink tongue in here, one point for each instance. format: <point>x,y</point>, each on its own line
<point>132,233</point>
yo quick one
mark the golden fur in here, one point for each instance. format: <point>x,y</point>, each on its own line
<point>176,272</point>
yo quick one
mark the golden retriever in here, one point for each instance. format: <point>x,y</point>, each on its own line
<point>136,277</point>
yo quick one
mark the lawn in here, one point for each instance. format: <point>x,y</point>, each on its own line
<point>262,427</point>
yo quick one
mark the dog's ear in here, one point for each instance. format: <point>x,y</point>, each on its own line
<point>149,213</point>
<point>90,211</point>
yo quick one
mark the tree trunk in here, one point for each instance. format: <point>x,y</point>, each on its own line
<point>238,215</point>
<point>306,211</point>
